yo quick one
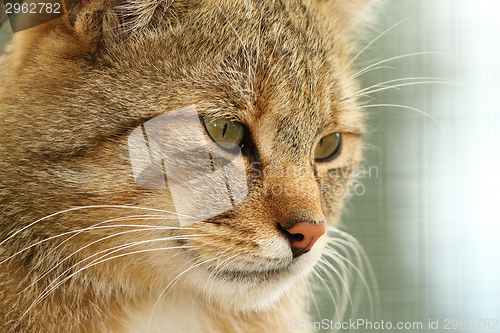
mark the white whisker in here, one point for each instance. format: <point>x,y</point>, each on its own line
<point>342,277</point>
<point>390,138</point>
<point>175,281</point>
<point>89,207</point>
<point>98,226</point>
<point>396,86</point>
<point>46,292</point>
<point>109,250</point>
<point>313,296</point>
<point>363,260</point>
<point>404,79</point>
<point>377,68</point>
<point>320,278</point>
<point>366,69</point>
<point>409,108</point>
<point>218,268</point>
<point>377,38</point>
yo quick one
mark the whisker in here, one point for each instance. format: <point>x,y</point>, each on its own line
<point>366,69</point>
<point>390,138</point>
<point>409,108</point>
<point>177,279</point>
<point>347,272</point>
<point>343,276</point>
<point>405,79</point>
<point>118,248</point>
<point>217,269</point>
<point>365,262</point>
<point>46,293</point>
<point>89,207</point>
<point>308,293</point>
<point>410,84</point>
<point>377,68</point>
<point>377,38</point>
<point>315,303</point>
<point>336,271</point>
<point>335,255</point>
<point>97,227</point>
<point>343,295</point>
<point>320,278</point>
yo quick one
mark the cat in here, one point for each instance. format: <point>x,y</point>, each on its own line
<point>172,166</point>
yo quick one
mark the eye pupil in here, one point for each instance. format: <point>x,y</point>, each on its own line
<point>224,130</point>
<point>226,133</point>
<point>328,147</point>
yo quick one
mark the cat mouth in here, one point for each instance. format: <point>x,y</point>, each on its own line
<point>256,274</point>
<point>269,275</point>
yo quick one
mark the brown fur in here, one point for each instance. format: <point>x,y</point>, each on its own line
<point>71,92</point>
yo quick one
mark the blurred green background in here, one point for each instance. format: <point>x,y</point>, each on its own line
<point>429,220</point>
<point>5,34</point>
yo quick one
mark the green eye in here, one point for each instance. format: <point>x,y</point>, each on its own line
<point>328,147</point>
<point>228,134</point>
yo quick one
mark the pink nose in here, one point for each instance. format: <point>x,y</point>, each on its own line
<point>304,235</point>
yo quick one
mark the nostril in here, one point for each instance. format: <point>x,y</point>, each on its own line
<point>297,237</point>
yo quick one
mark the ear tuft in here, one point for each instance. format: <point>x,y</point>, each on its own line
<point>136,15</point>
<point>99,21</point>
<point>120,16</point>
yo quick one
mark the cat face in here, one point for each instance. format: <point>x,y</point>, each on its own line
<point>279,72</point>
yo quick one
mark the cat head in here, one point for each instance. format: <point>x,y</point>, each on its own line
<point>81,97</point>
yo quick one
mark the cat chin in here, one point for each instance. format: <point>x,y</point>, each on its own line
<point>244,291</point>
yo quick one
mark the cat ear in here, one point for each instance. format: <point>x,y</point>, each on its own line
<point>125,16</point>
<point>85,26</point>
<point>117,19</point>
<point>348,14</point>
<point>98,19</point>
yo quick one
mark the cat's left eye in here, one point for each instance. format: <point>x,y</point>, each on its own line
<point>328,147</point>
<point>228,134</point>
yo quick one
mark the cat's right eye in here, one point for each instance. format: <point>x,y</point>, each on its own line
<point>328,147</point>
<point>228,134</point>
